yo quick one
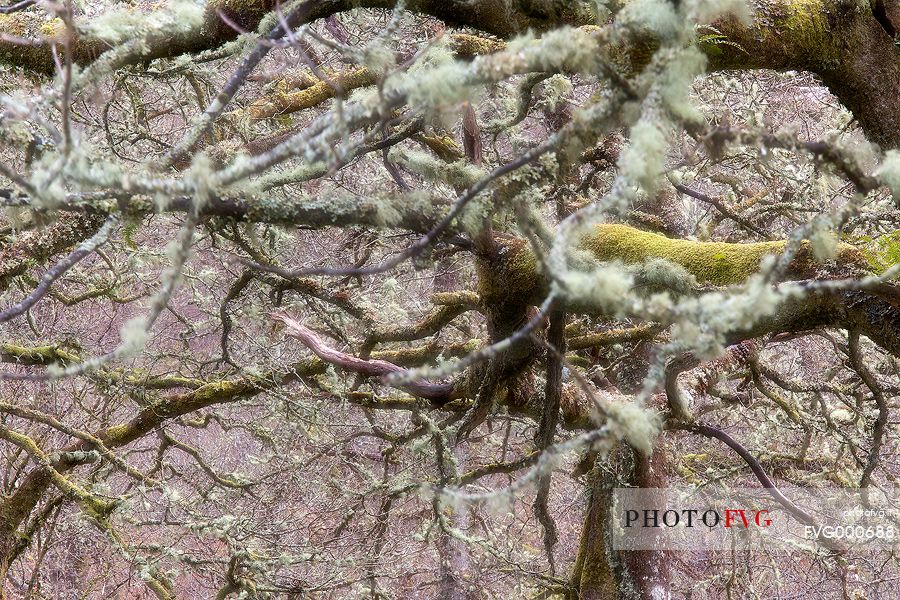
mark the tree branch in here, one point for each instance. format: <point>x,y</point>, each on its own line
<point>438,392</point>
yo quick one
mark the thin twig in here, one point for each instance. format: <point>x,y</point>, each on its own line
<point>426,240</point>
<point>16,7</point>
<point>59,269</point>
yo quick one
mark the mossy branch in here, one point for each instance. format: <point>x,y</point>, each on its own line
<point>511,276</point>
<point>513,271</point>
<point>308,91</point>
<point>281,102</point>
<point>36,355</point>
<point>33,247</point>
<point>29,36</point>
<point>716,263</point>
<point>614,336</point>
<point>428,326</point>
<point>850,49</point>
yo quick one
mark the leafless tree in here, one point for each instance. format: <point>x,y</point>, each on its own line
<point>345,298</point>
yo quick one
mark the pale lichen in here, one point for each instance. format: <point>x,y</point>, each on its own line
<point>641,163</point>
<point>134,335</point>
<point>888,172</point>
<point>115,26</point>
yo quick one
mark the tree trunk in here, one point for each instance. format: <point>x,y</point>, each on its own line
<point>601,572</point>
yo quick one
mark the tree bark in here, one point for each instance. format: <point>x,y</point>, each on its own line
<point>601,572</point>
<point>849,45</point>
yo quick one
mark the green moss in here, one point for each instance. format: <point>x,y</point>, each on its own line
<point>807,26</point>
<point>510,274</point>
<point>95,509</point>
<point>24,25</point>
<point>711,262</point>
<point>220,391</point>
<point>19,25</point>
<point>52,29</point>
<point>444,146</point>
<point>414,357</point>
<point>466,45</point>
<point>613,336</point>
<point>37,355</point>
<point>462,297</point>
<point>806,14</point>
<point>115,435</point>
<point>282,103</point>
<point>717,263</point>
<point>881,253</point>
<point>139,377</point>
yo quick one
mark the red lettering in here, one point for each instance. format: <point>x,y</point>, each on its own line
<point>737,511</point>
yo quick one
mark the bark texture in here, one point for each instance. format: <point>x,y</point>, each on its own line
<point>849,44</point>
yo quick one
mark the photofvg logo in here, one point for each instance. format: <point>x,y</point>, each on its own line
<point>717,519</point>
<point>679,519</point>
<point>695,517</point>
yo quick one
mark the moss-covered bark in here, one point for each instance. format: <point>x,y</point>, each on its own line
<point>35,355</point>
<point>874,313</point>
<point>498,17</point>
<point>282,102</point>
<point>213,32</point>
<point>39,245</point>
<point>510,276</point>
<point>512,273</point>
<point>717,263</point>
<point>303,91</point>
<point>601,572</point>
<point>593,575</point>
<point>850,45</point>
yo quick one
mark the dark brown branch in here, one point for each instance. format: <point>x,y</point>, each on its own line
<point>878,430</point>
<point>556,339</point>
<point>722,208</point>
<point>762,476</point>
<point>492,469</point>
<point>233,292</point>
<point>873,312</point>
<point>22,5</point>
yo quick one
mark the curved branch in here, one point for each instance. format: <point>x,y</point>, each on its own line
<point>428,326</point>
<point>878,430</point>
<point>16,6</point>
<point>761,475</point>
<point>439,392</point>
<point>755,466</point>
